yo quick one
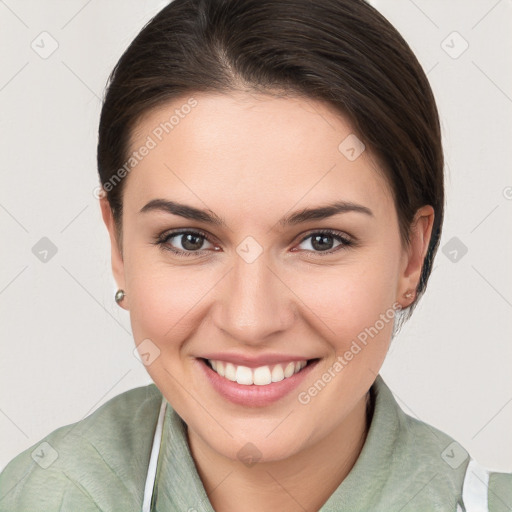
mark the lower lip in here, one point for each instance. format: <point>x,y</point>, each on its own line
<point>253,395</point>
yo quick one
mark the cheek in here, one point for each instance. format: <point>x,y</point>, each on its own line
<point>164,300</point>
<point>348,298</point>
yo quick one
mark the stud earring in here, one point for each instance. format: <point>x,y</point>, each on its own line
<point>119,296</point>
<point>408,295</point>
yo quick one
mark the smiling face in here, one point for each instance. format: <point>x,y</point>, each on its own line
<point>253,283</point>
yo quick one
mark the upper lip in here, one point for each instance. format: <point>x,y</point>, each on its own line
<point>254,361</point>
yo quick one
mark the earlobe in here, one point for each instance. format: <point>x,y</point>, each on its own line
<point>116,255</point>
<point>419,239</point>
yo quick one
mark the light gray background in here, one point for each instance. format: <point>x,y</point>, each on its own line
<point>67,347</point>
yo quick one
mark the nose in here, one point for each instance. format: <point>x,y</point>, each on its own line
<point>253,302</point>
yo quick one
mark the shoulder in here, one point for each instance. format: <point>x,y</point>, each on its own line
<point>98,463</point>
<point>455,472</point>
<point>484,487</point>
<point>433,464</point>
<point>436,471</point>
<point>500,492</point>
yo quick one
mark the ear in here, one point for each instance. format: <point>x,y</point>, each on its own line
<point>115,247</point>
<point>414,255</point>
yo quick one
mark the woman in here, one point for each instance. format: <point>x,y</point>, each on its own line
<point>272,184</point>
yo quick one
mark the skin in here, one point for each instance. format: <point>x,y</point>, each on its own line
<point>252,159</point>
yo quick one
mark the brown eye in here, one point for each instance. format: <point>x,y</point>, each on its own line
<point>188,242</point>
<point>324,241</point>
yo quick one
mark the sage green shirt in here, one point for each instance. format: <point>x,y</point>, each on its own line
<point>101,462</point>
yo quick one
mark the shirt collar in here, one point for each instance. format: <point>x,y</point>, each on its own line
<point>179,486</point>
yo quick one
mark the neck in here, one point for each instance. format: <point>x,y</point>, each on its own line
<point>303,481</point>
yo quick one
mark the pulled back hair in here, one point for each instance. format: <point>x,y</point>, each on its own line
<point>341,52</point>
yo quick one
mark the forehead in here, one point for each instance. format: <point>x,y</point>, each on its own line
<point>248,150</point>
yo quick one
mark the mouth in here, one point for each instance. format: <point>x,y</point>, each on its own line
<point>255,386</point>
<point>260,376</point>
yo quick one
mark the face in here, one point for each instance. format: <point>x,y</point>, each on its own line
<point>249,282</point>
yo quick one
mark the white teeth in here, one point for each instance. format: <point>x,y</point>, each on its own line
<point>260,376</point>
<point>289,370</point>
<point>230,372</point>
<point>243,375</point>
<point>299,365</point>
<point>277,373</point>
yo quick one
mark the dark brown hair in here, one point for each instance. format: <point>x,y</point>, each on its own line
<point>341,52</point>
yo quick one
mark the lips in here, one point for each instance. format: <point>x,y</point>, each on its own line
<point>259,392</point>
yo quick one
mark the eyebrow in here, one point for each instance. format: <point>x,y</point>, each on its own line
<point>299,217</point>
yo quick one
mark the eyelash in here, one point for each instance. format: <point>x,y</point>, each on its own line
<point>162,241</point>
